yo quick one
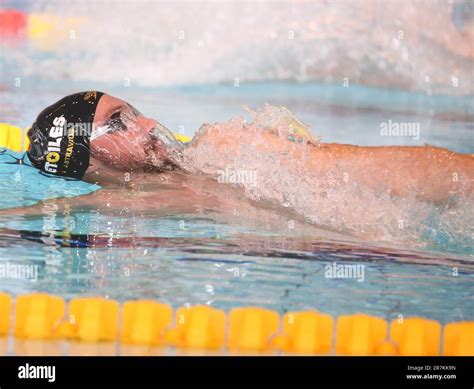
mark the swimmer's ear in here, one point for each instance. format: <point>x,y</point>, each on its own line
<point>93,167</point>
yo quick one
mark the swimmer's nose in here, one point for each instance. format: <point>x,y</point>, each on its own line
<point>146,123</point>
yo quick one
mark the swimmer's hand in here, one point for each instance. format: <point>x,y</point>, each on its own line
<point>169,148</point>
<point>165,136</point>
<point>282,122</point>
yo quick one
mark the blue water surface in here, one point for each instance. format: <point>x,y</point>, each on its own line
<point>21,184</point>
<point>189,259</point>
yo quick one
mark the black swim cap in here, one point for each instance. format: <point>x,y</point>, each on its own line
<point>59,138</point>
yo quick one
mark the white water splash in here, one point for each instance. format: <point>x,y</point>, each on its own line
<point>325,199</point>
<point>416,45</point>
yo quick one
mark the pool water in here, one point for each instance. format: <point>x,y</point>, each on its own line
<point>193,260</point>
<point>188,259</point>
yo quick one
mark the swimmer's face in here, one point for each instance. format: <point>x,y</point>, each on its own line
<point>124,139</point>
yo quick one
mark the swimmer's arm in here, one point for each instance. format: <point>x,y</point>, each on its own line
<point>428,173</point>
<point>160,193</point>
<point>104,201</point>
<point>58,205</point>
<point>199,196</point>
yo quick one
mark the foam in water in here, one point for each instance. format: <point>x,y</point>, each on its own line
<point>374,43</point>
<point>323,198</point>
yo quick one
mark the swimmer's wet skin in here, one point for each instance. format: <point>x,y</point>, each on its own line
<point>68,135</point>
<point>98,138</point>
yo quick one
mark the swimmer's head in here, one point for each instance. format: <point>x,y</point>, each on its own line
<point>87,130</point>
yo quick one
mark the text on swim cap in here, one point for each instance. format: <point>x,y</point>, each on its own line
<point>54,146</point>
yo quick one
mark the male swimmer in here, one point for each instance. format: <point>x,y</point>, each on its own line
<point>99,138</point>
